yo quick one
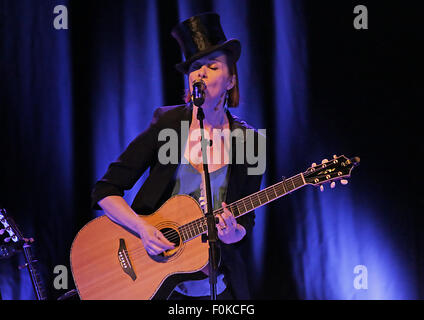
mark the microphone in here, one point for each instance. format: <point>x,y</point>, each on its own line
<point>198,94</point>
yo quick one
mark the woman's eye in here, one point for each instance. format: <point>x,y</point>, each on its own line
<point>213,67</point>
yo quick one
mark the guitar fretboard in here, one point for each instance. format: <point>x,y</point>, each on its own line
<point>199,226</point>
<point>35,276</point>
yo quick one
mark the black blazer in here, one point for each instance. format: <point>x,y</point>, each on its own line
<point>142,153</point>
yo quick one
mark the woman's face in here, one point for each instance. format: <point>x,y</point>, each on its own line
<point>213,70</point>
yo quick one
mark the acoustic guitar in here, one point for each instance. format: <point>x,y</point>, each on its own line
<point>109,262</point>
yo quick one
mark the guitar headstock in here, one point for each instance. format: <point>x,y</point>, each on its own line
<point>338,168</point>
<point>15,242</point>
<point>10,236</point>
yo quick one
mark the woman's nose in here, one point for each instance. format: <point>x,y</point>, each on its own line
<point>201,73</point>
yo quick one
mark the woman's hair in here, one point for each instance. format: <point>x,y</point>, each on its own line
<point>233,93</point>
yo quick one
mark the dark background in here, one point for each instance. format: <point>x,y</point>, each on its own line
<point>71,100</point>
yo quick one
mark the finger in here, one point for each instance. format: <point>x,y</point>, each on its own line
<point>229,224</point>
<point>321,188</point>
<point>164,240</point>
<point>153,249</point>
<point>344,182</point>
<point>154,252</point>
<point>229,219</point>
<point>161,244</point>
<point>332,185</point>
<point>226,210</point>
<point>221,222</point>
<point>314,164</point>
<point>334,156</point>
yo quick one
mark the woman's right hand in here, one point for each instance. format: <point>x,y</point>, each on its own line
<point>153,240</point>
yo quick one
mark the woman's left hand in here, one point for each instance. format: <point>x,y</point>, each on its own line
<point>229,231</point>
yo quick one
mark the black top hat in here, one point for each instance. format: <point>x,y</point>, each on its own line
<point>200,35</point>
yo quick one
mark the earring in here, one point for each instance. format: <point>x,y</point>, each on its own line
<point>227,97</point>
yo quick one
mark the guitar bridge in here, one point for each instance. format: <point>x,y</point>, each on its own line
<point>124,260</point>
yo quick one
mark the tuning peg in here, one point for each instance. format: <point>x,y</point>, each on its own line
<point>29,240</point>
<point>10,231</point>
<point>342,181</point>
<point>23,266</point>
<point>324,161</point>
<point>334,156</point>
<point>14,238</point>
<point>4,222</point>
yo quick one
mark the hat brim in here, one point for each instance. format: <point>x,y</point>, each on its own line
<point>232,45</point>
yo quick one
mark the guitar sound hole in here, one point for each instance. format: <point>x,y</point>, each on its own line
<point>172,236</point>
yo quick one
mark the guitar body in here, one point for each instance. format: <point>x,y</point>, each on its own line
<point>109,262</point>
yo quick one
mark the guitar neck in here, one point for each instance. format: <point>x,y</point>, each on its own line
<point>35,278</point>
<point>245,205</point>
<point>264,196</point>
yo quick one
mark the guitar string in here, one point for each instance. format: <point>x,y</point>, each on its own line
<point>141,251</point>
<point>296,180</point>
<point>191,227</point>
<point>262,194</point>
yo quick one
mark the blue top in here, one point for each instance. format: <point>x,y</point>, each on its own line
<point>188,181</point>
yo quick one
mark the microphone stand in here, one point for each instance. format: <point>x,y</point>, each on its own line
<point>211,222</point>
